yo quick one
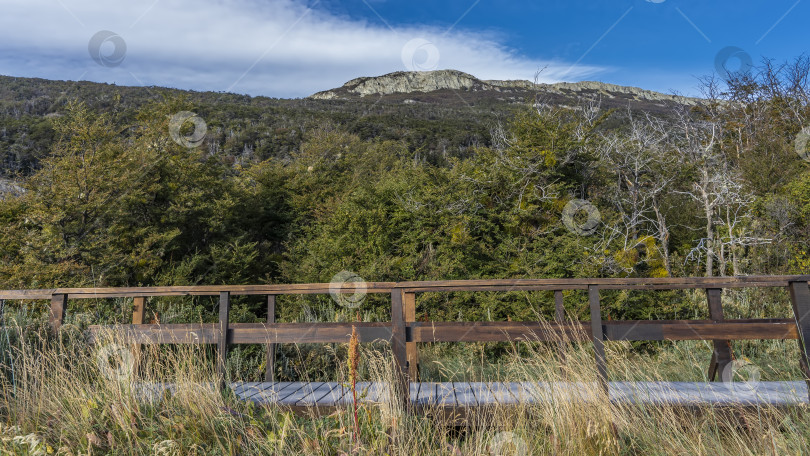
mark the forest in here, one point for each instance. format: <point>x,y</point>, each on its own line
<point>276,191</point>
<point>125,186</point>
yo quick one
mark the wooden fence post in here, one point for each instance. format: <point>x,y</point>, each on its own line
<point>57,315</point>
<point>399,349</point>
<point>409,304</point>
<point>721,357</point>
<point>222,345</point>
<point>138,314</point>
<point>800,298</point>
<point>270,372</point>
<point>138,310</point>
<point>598,336</point>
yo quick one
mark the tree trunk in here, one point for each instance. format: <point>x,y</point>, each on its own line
<point>663,236</point>
<point>709,241</point>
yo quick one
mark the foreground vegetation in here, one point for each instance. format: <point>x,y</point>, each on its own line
<point>61,396</point>
<point>722,188</point>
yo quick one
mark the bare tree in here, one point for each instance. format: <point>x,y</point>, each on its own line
<point>716,185</point>
<point>642,170</point>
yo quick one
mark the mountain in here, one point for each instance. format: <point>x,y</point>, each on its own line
<point>437,113</point>
<point>455,86</point>
<point>241,128</point>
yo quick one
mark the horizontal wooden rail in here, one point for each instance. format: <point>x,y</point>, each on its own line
<point>662,283</point>
<point>666,283</point>
<point>242,333</point>
<point>199,290</point>
<point>439,331</point>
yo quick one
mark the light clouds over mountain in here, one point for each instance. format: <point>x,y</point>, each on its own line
<point>280,48</point>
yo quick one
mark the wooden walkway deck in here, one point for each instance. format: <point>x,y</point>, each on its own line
<point>302,396</point>
<point>405,334</point>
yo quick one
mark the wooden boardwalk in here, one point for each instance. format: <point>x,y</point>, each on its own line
<point>301,396</point>
<point>404,334</point>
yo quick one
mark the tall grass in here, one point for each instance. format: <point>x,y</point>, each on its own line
<point>69,397</point>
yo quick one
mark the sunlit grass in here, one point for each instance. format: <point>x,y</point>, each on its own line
<point>64,398</point>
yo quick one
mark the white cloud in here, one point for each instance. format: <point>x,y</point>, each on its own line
<point>277,48</point>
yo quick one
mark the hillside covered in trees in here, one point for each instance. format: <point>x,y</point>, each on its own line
<point>299,190</point>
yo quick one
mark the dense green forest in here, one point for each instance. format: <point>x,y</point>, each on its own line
<point>282,191</point>
<point>240,127</point>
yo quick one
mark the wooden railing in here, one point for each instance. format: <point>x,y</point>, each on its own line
<point>404,332</point>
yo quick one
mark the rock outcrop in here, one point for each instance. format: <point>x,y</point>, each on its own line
<point>408,82</point>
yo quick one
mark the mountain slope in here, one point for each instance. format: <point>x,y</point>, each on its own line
<point>434,86</point>
<point>437,114</point>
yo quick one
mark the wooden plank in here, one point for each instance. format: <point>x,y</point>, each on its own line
<point>374,392</point>
<point>409,307</point>
<point>610,283</point>
<point>138,314</point>
<point>460,287</point>
<point>483,394</point>
<point>559,307</point>
<point>584,286</point>
<point>280,391</point>
<point>138,310</point>
<point>519,393</point>
<point>501,393</point>
<point>445,394</point>
<point>636,330</point>
<point>305,333</point>
<point>598,336</point>
<point>249,333</point>
<point>318,393</point>
<point>197,290</point>
<point>721,357</point>
<point>413,391</point>
<point>186,333</point>
<point>427,394</point>
<point>364,394</point>
<point>57,313</point>
<point>729,331</point>
<point>270,372</point>
<point>240,388</point>
<point>534,392</point>
<point>693,285</point>
<point>23,295</point>
<point>264,391</point>
<point>734,394</point>
<point>700,329</point>
<point>498,331</point>
<point>465,396</point>
<point>335,395</point>
<point>302,394</point>
<point>222,343</point>
<point>387,287</point>
<point>261,333</point>
<point>398,348</point>
<point>245,391</point>
<point>261,391</point>
<point>273,392</point>
<point>800,299</point>
<point>436,288</point>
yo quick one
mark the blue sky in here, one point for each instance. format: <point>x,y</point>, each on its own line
<point>292,48</point>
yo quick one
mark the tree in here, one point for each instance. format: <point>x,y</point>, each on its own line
<point>642,171</point>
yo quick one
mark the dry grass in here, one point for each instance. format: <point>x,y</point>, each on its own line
<point>65,397</point>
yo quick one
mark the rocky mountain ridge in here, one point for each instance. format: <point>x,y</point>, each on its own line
<point>420,82</point>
